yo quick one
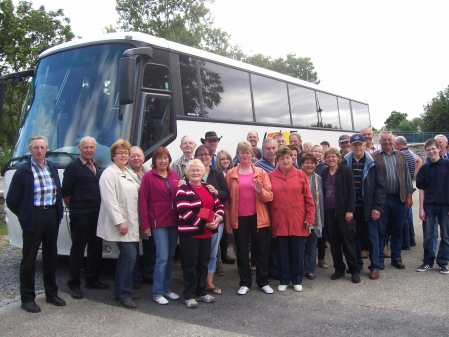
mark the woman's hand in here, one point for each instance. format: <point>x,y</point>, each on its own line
<point>308,224</point>
<point>212,189</point>
<point>258,187</point>
<point>147,231</point>
<point>348,217</point>
<point>123,227</point>
<point>181,181</point>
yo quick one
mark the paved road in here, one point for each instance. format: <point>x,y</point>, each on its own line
<point>400,303</point>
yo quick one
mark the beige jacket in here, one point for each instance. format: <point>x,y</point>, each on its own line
<point>119,203</point>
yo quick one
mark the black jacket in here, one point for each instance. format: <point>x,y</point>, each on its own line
<point>344,189</point>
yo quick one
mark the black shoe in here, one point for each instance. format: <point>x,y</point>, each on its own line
<point>76,293</point>
<point>338,274</point>
<point>97,285</point>
<point>311,276</point>
<point>356,278</point>
<point>381,265</point>
<point>30,307</point>
<point>137,284</point>
<point>406,248</point>
<point>397,263</point>
<point>55,300</point>
<point>228,260</point>
<point>146,280</point>
<point>413,244</point>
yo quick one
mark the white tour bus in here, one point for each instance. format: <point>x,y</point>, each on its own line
<point>152,92</point>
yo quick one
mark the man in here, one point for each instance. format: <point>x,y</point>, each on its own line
<point>433,183</point>
<point>211,139</point>
<point>368,135</point>
<point>81,194</point>
<point>443,143</point>
<point>279,137</point>
<point>187,147</point>
<point>399,191</point>
<point>325,144</point>
<point>370,198</point>
<point>268,160</point>
<point>345,147</point>
<point>295,139</point>
<point>253,138</point>
<point>35,197</point>
<point>414,164</point>
<point>144,267</point>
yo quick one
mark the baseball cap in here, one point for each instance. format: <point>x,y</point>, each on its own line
<point>356,138</point>
<point>343,138</point>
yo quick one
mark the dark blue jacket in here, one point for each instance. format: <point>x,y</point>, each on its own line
<point>20,198</point>
<point>433,178</point>
<point>373,187</point>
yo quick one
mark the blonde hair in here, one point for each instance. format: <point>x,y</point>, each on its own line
<point>195,162</point>
<point>119,143</point>
<point>218,162</point>
<point>332,150</point>
<point>244,146</point>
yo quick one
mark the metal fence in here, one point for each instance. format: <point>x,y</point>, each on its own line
<point>418,137</point>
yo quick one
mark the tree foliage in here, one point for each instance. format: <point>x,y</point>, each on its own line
<point>436,112</point>
<point>24,33</point>
<point>395,119</point>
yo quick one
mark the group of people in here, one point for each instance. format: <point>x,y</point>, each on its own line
<point>282,203</point>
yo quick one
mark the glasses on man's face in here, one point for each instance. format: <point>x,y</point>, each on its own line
<point>122,153</point>
<point>203,155</point>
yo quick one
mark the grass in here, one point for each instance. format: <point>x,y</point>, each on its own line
<point>3,228</point>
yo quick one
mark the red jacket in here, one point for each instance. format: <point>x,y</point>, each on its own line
<point>157,206</point>
<point>292,203</point>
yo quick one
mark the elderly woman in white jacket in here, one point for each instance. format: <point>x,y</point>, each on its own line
<point>118,220</point>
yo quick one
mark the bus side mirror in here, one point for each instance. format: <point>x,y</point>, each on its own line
<point>127,75</point>
<point>2,95</point>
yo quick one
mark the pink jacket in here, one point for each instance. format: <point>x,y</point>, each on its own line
<point>232,204</point>
<point>292,203</point>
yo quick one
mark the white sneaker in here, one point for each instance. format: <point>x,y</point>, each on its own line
<point>171,295</point>
<point>282,287</point>
<point>160,300</point>
<point>243,290</point>
<point>297,287</point>
<point>267,289</point>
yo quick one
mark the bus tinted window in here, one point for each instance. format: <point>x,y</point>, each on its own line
<point>360,114</point>
<point>189,85</point>
<point>226,92</point>
<point>156,77</point>
<point>329,111</point>
<point>303,106</point>
<point>270,100</point>
<point>345,113</point>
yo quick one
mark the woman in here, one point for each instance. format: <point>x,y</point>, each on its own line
<point>295,151</point>
<point>216,184</point>
<point>339,207</point>
<point>224,162</point>
<point>247,215</point>
<point>292,214</point>
<point>118,220</point>
<point>308,164</point>
<point>158,218</point>
<point>195,232</point>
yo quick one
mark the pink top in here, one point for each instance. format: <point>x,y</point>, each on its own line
<point>247,195</point>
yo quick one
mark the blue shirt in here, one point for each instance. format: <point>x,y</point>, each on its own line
<point>44,185</point>
<point>265,165</point>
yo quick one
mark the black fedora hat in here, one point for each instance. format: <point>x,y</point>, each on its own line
<point>210,135</point>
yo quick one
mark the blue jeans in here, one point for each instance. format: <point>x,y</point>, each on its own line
<point>124,270</point>
<point>394,210</point>
<point>435,236</point>
<point>215,241</point>
<point>310,253</point>
<point>408,231</point>
<point>371,232</point>
<point>441,213</point>
<point>165,239</point>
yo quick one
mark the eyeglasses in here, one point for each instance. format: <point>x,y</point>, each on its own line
<point>121,153</point>
<point>195,171</point>
<point>203,155</point>
<point>38,147</point>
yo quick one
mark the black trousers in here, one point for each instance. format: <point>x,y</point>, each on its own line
<point>261,237</point>
<point>83,230</point>
<point>341,237</point>
<point>45,232</point>
<point>291,259</point>
<point>321,244</point>
<point>195,256</point>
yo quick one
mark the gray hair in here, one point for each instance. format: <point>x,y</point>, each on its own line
<point>196,162</point>
<point>386,132</point>
<point>36,138</point>
<point>134,148</point>
<point>366,127</point>
<point>441,136</point>
<point>187,136</point>
<point>268,139</point>
<point>87,138</point>
<point>400,140</point>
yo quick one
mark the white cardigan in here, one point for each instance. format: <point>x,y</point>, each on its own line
<point>119,203</point>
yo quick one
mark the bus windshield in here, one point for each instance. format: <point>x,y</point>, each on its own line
<point>74,94</point>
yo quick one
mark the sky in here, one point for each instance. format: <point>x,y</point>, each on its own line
<point>391,54</point>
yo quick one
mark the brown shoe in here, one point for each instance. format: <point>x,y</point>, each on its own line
<point>387,253</point>
<point>130,304</point>
<point>364,254</point>
<point>322,264</point>
<point>374,274</point>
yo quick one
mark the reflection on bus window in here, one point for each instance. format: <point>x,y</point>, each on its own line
<point>303,106</point>
<point>345,113</point>
<point>360,114</point>
<point>156,120</point>
<point>270,100</point>
<point>156,77</point>
<point>226,93</point>
<point>189,85</point>
<point>327,111</point>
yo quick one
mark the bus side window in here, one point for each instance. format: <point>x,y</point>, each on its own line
<point>156,120</point>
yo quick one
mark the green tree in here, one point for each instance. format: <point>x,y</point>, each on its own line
<point>436,112</point>
<point>24,33</point>
<point>395,119</point>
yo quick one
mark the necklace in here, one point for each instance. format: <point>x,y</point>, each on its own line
<point>244,170</point>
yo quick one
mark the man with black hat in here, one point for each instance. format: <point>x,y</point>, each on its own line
<point>370,197</point>
<point>211,139</point>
